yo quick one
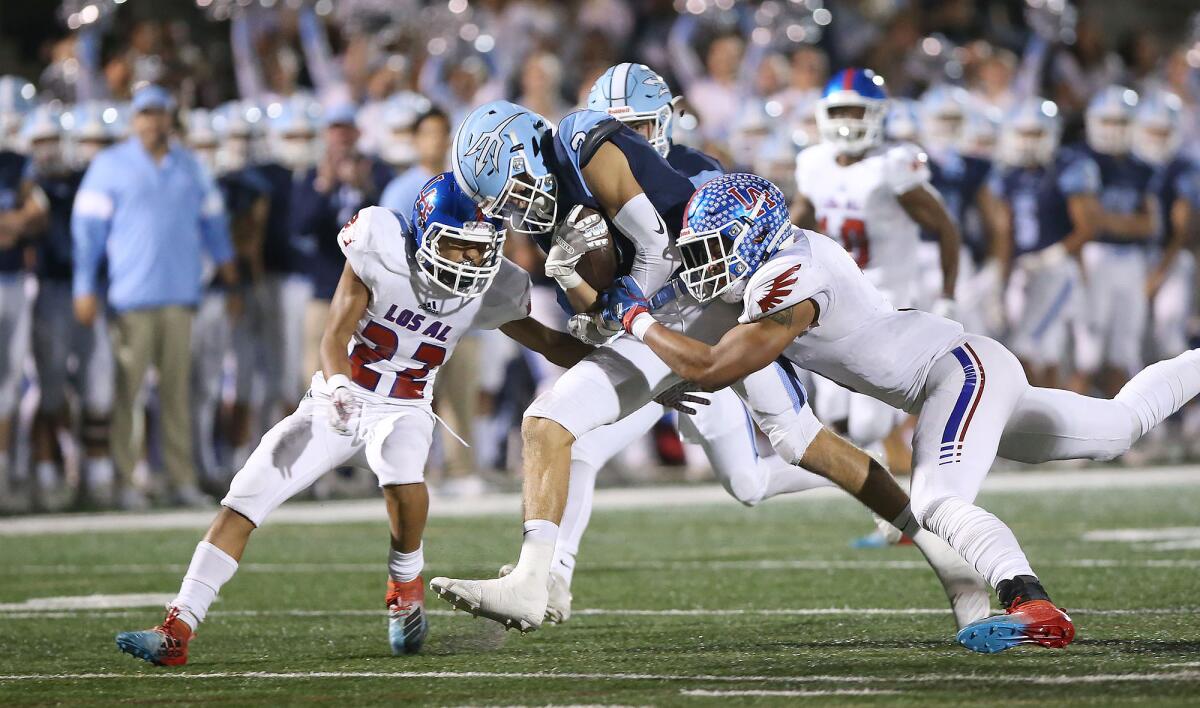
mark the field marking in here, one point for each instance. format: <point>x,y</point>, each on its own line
<point>1057,679</point>
<point>656,497</point>
<point>89,603</point>
<point>762,564</point>
<point>1171,538</point>
<point>792,694</point>
<point>16,611</point>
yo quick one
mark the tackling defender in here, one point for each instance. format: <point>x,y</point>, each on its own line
<point>406,297</point>
<point>804,298</point>
<point>514,167</point>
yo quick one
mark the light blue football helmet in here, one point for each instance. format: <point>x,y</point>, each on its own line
<point>942,112</point>
<point>734,223</point>
<point>499,163</point>
<point>1030,133</point>
<point>16,99</point>
<point>634,93</point>
<point>1157,127</point>
<point>1108,120</point>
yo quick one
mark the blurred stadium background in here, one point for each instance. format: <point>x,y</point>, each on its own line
<point>338,104</point>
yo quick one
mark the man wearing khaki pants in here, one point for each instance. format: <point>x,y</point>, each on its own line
<point>151,209</point>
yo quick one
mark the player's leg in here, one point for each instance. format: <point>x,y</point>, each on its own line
<point>132,337</point>
<point>397,447</point>
<point>290,457</point>
<point>1088,322</point>
<point>1125,332</point>
<point>14,352</point>
<point>970,394</point>
<point>52,341</point>
<point>610,383</point>
<point>210,336</point>
<point>172,361</point>
<point>95,376</point>
<point>1040,333</point>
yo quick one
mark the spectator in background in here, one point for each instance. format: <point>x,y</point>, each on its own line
<point>541,86</point>
<point>431,139</point>
<point>148,205</point>
<point>1084,68</point>
<point>716,97</point>
<point>324,198</point>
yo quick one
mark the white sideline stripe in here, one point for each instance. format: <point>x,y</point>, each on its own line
<point>89,603</point>
<point>765,564</point>
<point>1172,533</point>
<point>337,512</point>
<point>1060,679</point>
<point>795,694</point>
<point>18,611</point>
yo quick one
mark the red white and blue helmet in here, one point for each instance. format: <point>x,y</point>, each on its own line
<point>853,87</point>
<point>442,211</point>
<point>733,224</point>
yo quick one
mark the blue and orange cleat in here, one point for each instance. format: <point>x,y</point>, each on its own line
<point>1030,622</point>
<point>407,622</point>
<point>164,645</point>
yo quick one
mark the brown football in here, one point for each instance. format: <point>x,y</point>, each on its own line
<point>598,268</point>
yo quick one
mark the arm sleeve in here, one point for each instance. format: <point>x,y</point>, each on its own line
<point>91,220</point>
<point>656,259</point>
<point>1080,177</point>
<point>782,282</point>
<point>905,168</point>
<point>214,223</point>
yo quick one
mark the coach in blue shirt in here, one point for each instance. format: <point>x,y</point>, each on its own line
<point>149,207</point>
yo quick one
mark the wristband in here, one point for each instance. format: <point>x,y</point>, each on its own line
<point>337,381</point>
<point>641,324</point>
<point>568,281</point>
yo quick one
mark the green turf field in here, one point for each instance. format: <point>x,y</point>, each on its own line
<point>738,606</point>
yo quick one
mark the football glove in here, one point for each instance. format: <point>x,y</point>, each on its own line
<point>681,398</point>
<point>571,241</point>
<point>622,303</point>
<point>343,407</point>
<point>591,329</point>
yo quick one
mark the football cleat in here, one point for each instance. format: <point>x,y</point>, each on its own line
<point>164,645</point>
<point>515,601</point>
<point>558,608</point>
<point>1030,622</point>
<point>408,624</point>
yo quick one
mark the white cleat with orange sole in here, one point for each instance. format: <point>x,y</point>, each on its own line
<point>516,601</point>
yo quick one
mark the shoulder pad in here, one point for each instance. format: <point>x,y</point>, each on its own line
<point>372,233</point>
<point>780,283</point>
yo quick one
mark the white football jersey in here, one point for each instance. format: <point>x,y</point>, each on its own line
<point>856,206</point>
<point>412,324</point>
<point>860,340</point>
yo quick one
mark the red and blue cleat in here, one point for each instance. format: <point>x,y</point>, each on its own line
<point>164,645</point>
<point>407,622</point>
<point>1029,622</point>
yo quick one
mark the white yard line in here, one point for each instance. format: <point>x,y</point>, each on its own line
<point>1057,679</point>
<point>606,499</point>
<point>708,693</point>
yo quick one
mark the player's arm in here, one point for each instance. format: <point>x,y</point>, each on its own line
<point>1083,208</point>
<point>559,348</point>
<point>349,303</point>
<point>997,219</point>
<point>611,180</point>
<point>1182,221</point>
<point>1139,225</point>
<point>743,350</point>
<point>922,205</point>
<point>31,217</point>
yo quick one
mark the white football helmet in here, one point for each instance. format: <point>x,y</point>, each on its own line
<point>1156,128</point>
<point>1109,120</point>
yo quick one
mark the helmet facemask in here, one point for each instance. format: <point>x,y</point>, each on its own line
<point>711,259</point>
<point>1109,134</point>
<point>1155,143</point>
<point>465,277</point>
<point>660,132</point>
<point>528,204</point>
<point>851,134</point>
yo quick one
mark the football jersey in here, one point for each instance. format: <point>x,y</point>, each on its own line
<point>55,244</point>
<point>859,340</point>
<point>1124,184</point>
<point>856,206</point>
<point>1038,197</point>
<point>1178,179</point>
<point>412,324</point>
<point>13,168</point>
<point>697,166</point>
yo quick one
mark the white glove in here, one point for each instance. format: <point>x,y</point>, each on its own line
<point>570,242</point>
<point>590,329</point>
<point>945,307</point>
<point>681,398</point>
<point>343,405</point>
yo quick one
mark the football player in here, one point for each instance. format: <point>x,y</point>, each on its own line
<point>874,198</point>
<point>804,298</point>
<point>1043,214</point>
<point>1115,262</point>
<point>406,297</point>
<point>507,159</point>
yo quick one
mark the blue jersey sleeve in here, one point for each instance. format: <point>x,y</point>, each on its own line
<point>697,166</point>
<point>1080,176</point>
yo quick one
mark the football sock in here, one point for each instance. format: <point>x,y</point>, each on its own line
<point>405,567</point>
<point>47,475</point>
<point>1159,390</point>
<point>537,549</point>
<point>979,537</point>
<point>210,569</point>
<point>99,471</point>
<point>576,515</point>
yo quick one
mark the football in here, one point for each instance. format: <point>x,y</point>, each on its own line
<point>598,268</point>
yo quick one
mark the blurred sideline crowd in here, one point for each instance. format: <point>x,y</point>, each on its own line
<point>170,191</point>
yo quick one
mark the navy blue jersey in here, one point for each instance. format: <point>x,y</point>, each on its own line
<point>12,173</point>
<point>1124,184</point>
<point>241,189</point>
<point>1038,197</point>
<point>54,246</point>
<point>280,253</point>
<point>697,166</point>
<point>958,178</point>
<point>1178,179</point>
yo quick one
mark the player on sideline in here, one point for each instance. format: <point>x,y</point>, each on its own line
<point>804,298</point>
<point>507,159</point>
<point>406,297</point>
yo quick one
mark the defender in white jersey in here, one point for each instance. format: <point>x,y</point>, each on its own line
<point>804,298</point>
<point>405,298</point>
<point>873,199</point>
